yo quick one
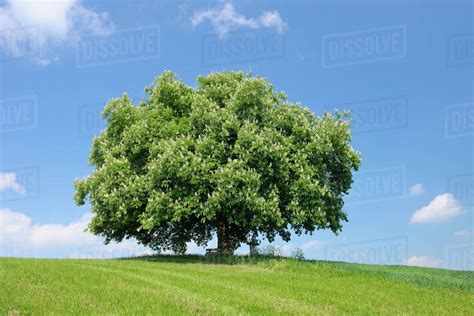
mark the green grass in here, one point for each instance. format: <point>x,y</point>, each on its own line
<point>195,285</point>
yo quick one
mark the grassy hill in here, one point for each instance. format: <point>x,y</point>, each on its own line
<point>194,285</point>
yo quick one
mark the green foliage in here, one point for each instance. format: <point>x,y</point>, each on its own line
<point>268,251</point>
<point>230,157</point>
<point>298,254</point>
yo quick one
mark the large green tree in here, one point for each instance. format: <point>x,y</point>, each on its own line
<point>230,157</point>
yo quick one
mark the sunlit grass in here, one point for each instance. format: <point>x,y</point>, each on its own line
<point>235,285</point>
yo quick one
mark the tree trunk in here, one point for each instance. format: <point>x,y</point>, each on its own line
<point>253,249</point>
<point>224,246</point>
<point>253,243</point>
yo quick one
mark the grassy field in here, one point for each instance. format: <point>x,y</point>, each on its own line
<point>193,285</point>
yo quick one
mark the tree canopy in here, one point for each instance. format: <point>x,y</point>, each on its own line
<point>230,158</point>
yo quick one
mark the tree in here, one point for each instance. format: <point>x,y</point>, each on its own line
<point>298,254</point>
<point>230,157</point>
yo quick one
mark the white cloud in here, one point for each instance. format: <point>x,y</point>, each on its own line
<point>442,208</point>
<point>463,233</point>
<point>18,233</point>
<point>416,190</point>
<point>13,223</point>
<point>225,19</point>
<point>58,235</point>
<point>37,27</point>
<point>423,261</point>
<point>8,182</point>
<point>312,244</point>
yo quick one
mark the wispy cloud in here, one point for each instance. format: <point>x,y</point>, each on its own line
<point>423,261</point>
<point>311,245</point>
<point>36,28</point>
<point>442,208</point>
<point>417,189</point>
<point>225,19</point>
<point>463,233</point>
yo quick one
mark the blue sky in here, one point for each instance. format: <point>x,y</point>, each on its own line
<point>403,68</point>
